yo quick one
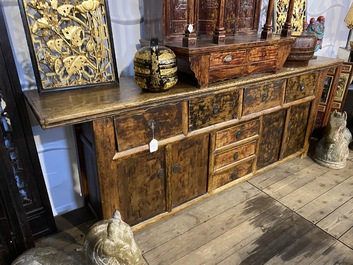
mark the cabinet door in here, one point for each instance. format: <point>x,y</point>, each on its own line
<point>142,185</point>
<point>271,138</point>
<point>296,128</point>
<point>189,163</point>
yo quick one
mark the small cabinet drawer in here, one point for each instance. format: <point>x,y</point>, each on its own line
<point>137,129</point>
<point>227,59</point>
<point>262,97</point>
<point>260,54</point>
<point>213,109</point>
<point>234,155</point>
<point>240,170</point>
<point>237,133</point>
<point>300,86</point>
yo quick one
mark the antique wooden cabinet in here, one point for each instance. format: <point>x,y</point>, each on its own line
<point>215,40</point>
<point>208,138</point>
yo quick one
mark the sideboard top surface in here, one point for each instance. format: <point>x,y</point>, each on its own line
<point>77,106</point>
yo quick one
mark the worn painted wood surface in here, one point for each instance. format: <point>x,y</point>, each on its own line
<point>72,107</point>
<point>249,224</point>
<point>256,222</point>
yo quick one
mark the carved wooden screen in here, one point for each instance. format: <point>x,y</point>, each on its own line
<point>70,43</point>
<point>18,145</point>
<point>299,15</point>
<point>167,19</point>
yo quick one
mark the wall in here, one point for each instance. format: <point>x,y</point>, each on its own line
<point>56,147</point>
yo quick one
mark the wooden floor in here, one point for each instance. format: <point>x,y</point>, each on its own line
<point>296,213</point>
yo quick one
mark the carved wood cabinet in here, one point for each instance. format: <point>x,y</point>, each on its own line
<point>209,138</point>
<point>214,40</point>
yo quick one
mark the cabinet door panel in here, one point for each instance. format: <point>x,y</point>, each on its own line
<point>189,162</point>
<point>271,138</point>
<point>142,186</point>
<point>296,128</point>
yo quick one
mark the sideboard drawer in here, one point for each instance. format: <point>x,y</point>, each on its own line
<point>237,133</point>
<point>227,59</point>
<point>261,97</point>
<point>300,86</point>
<point>213,109</point>
<point>221,178</point>
<point>234,155</point>
<point>135,129</point>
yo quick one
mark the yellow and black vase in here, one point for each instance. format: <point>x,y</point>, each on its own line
<point>155,67</point>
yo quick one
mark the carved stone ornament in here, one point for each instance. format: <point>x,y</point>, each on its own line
<point>332,149</point>
<point>70,42</point>
<point>108,242</point>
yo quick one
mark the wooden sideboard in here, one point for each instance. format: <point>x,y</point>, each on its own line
<point>209,138</point>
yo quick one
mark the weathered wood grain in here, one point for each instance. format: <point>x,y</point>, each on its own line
<point>180,223</point>
<point>325,204</point>
<point>292,182</point>
<point>314,188</point>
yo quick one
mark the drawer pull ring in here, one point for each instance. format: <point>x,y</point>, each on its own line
<point>233,176</point>
<point>228,58</point>
<point>161,173</point>
<point>301,87</point>
<point>215,109</point>
<point>238,134</point>
<point>176,168</point>
<point>236,156</point>
<point>264,97</point>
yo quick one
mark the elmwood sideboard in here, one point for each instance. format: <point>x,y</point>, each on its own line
<point>208,138</point>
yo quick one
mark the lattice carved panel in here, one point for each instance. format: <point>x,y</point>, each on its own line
<point>299,15</point>
<point>17,169</point>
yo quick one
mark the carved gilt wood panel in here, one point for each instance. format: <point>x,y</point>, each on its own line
<point>70,43</point>
<point>299,15</point>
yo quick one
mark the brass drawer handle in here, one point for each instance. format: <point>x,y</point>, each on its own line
<point>236,156</point>
<point>161,173</point>
<point>301,87</point>
<point>215,109</point>
<point>176,168</point>
<point>238,134</point>
<point>228,58</point>
<point>264,97</point>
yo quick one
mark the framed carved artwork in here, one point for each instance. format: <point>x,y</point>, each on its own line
<point>342,86</point>
<point>326,89</point>
<point>70,43</point>
<point>299,15</point>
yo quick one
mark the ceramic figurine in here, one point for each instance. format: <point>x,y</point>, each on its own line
<point>317,27</point>
<point>108,242</point>
<point>332,149</point>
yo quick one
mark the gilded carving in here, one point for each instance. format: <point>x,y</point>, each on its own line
<point>70,41</point>
<point>299,15</point>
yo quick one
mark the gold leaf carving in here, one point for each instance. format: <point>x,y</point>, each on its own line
<point>298,18</point>
<point>65,10</point>
<point>71,42</point>
<point>87,6</point>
